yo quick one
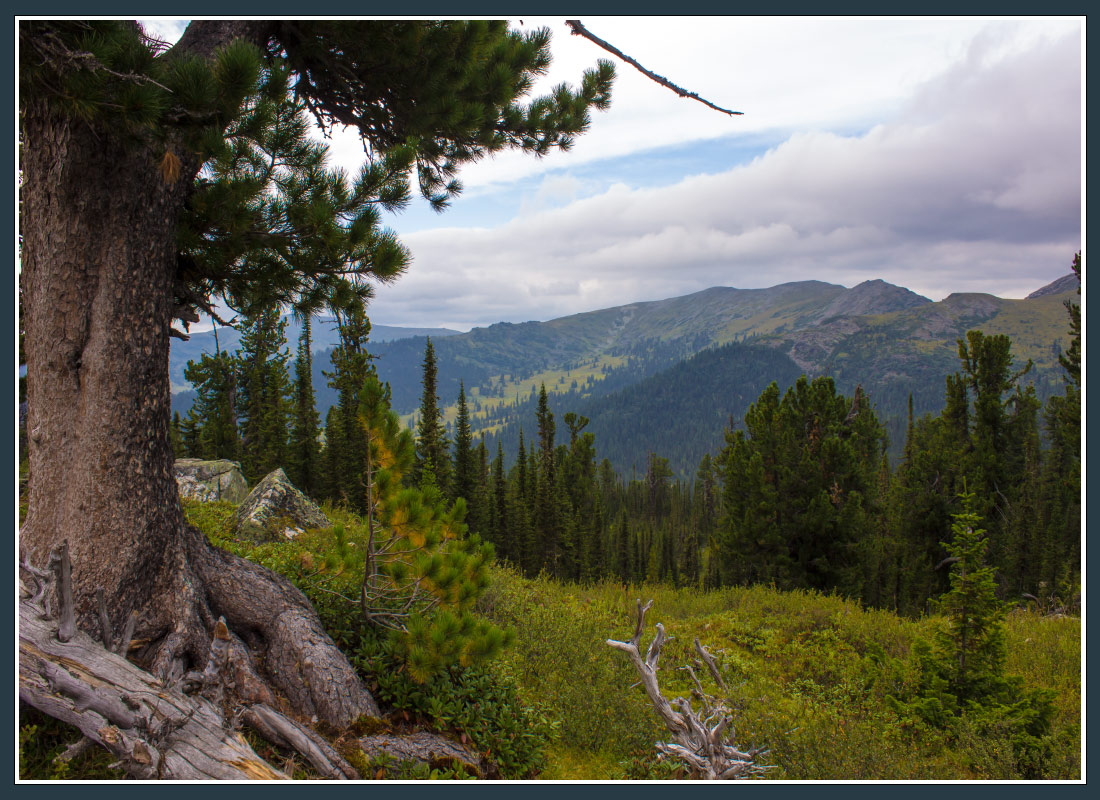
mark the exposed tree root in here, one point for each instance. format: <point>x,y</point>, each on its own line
<point>183,725</point>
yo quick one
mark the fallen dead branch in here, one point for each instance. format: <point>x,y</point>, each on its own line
<point>702,740</point>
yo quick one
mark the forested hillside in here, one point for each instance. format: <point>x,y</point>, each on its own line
<point>347,556</point>
<point>679,412</point>
<point>794,492</point>
<point>891,342</point>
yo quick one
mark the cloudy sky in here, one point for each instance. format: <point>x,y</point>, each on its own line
<point>940,155</point>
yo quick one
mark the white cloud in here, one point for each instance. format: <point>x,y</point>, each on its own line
<point>973,185</point>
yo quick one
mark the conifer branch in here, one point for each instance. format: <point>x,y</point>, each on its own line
<point>578,29</point>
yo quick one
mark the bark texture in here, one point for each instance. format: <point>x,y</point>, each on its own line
<point>98,273</point>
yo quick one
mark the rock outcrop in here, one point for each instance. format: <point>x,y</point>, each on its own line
<point>210,480</point>
<point>276,508</point>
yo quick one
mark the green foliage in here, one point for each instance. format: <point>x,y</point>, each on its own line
<point>809,675</point>
<point>263,388</point>
<point>42,739</point>
<point>963,676</point>
<point>210,430</point>
<point>304,448</point>
<point>344,477</point>
<point>800,489</point>
<point>431,437</point>
<point>480,704</point>
<point>463,691</point>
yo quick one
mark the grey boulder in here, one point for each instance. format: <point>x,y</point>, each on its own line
<point>210,480</point>
<point>276,509</point>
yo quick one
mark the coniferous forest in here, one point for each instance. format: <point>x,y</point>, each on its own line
<point>979,516</point>
<point>817,587</point>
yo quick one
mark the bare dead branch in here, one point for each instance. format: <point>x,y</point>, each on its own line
<point>123,648</point>
<point>63,583</point>
<point>712,666</point>
<point>577,29</point>
<point>707,749</point>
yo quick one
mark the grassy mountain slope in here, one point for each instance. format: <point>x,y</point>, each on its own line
<point>680,412</point>
<point>883,337</point>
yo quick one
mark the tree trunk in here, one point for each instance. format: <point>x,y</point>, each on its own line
<point>98,267</point>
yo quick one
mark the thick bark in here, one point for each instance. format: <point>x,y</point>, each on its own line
<point>98,268</point>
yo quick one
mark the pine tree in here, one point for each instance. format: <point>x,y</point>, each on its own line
<point>213,415</point>
<point>189,436</point>
<point>304,456</point>
<point>168,166</point>
<point>522,509</point>
<point>479,506</point>
<point>431,436</point>
<point>422,574</point>
<point>1060,560</point>
<point>501,532</point>
<point>345,441</point>
<point>800,488</point>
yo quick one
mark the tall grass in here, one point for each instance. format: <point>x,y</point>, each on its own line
<point>808,673</point>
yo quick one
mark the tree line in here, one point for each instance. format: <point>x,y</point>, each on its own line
<point>801,495</point>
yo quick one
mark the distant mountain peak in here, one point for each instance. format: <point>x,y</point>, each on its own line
<point>1067,283</point>
<point>874,296</point>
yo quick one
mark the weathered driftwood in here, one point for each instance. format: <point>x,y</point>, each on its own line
<point>154,728</point>
<point>285,732</point>
<point>705,743</point>
<point>422,747</point>
<point>153,731</point>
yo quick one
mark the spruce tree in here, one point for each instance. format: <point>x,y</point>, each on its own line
<point>264,392</point>
<point>304,457</point>
<point>431,436</point>
<point>465,468</point>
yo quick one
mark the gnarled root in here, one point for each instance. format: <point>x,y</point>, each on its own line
<point>181,724</point>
